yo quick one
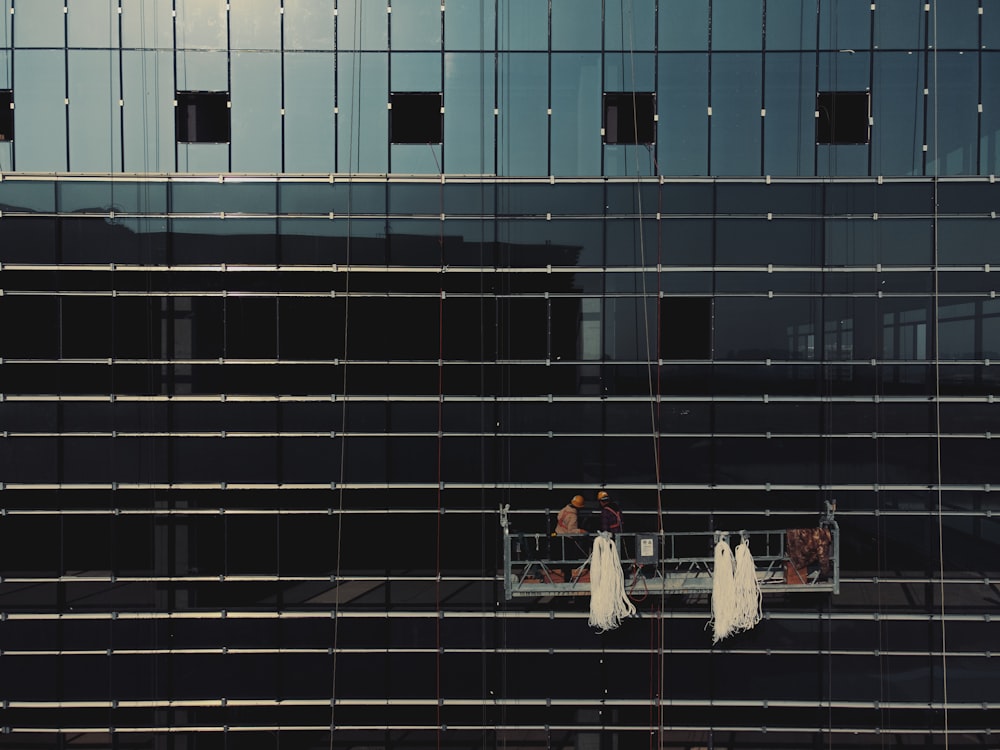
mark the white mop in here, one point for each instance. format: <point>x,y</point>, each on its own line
<point>723,620</point>
<point>609,603</point>
<point>748,597</point>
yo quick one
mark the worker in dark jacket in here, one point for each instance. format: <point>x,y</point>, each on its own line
<point>611,514</point>
<point>567,524</point>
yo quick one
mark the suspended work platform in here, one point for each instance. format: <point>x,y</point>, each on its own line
<point>787,560</point>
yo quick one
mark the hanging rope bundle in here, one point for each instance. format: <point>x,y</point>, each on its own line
<point>609,602</point>
<point>748,597</point>
<point>723,620</point>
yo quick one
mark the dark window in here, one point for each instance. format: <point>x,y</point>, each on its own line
<point>686,328</point>
<point>6,115</point>
<point>416,118</point>
<point>842,116</point>
<point>202,117</point>
<point>629,117</point>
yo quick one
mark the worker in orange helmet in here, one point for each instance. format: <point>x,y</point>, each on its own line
<point>611,514</point>
<point>567,524</point>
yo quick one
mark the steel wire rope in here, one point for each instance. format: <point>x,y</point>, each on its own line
<point>354,98</point>
<point>937,375</point>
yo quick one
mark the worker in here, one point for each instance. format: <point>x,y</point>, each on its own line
<point>611,514</point>
<point>567,524</point>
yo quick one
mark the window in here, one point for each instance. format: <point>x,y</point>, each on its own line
<point>686,328</point>
<point>842,117</point>
<point>630,117</point>
<point>202,117</point>
<point>6,115</point>
<point>416,118</point>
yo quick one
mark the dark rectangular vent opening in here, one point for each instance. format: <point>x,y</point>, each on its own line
<point>843,117</point>
<point>202,117</point>
<point>686,328</point>
<point>6,115</point>
<point>630,117</point>
<point>416,118</point>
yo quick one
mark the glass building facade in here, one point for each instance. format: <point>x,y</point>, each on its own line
<point>297,293</point>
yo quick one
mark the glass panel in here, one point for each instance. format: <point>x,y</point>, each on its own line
<point>255,24</point>
<point>845,24</point>
<point>39,79</point>
<point>523,122</point>
<point>955,99</point>
<point>629,72</point>
<point>576,114</point>
<point>898,113</point>
<point>309,119</point>
<point>789,126</point>
<point>989,138</point>
<point>201,24</point>
<point>991,24</point>
<point>843,71</point>
<point>416,24</point>
<point>468,115</point>
<point>683,127</point>
<point>367,29</point>
<point>757,328</point>
<point>957,27</point>
<point>737,24</point>
<point>256,112</point>
<point>684,25</point>
<point>791,25</point>
<point>576,24</point>
<point>95,117</point>
<point>524,24</point>
<point>415,71</point>
<point>40,24</point>
<point>629,24</point>
<point>966,241</point>
<point>147,23</point>
<point>148,93</point>
<point>92,23</point>
<point>900,24</point>
<point>308,24</point>
<point>363,121</point>
<point>736,120</point>
<point>469,24</point>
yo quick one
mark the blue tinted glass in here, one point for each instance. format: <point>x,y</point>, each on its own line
<point>202,71</point>
<point>415,71</point>
<point>956,100</point>
<point>898,113</point>
<point>991,24</point>
<point>39,24</point>
<point>416,24</point>
<point>366,29</point>
<point>416,158</point>
<point>736,120</point>
<point>255,24</point>
<point>363,121</point>
<point>522,138</point>
<point>576,114</point>
<point>256,111</point>
<point>989,139</point>
<point>791,25</point>
<point>308,24</point>
<point>845,24</point>
<point>524,24</point>
<point>147,23</point>
<point>203,157</point>
<point>843,71</point>
<point>93,23</point>
<point>6,156</point>
<point>682,137</point>
<point>39,80</point>
<point>5,69</point>
<point>576,24</point>
<point>309,120</point>
<point>148,93</point>
<point>629,24</point>
<point>469,24</point>
<point>966,241</point>
<point>683,24</point>
<point>468,113</point>
<point>957,25</point>
<point>5,40</point>
<point>789,125</point>
<point>201,24</point>
<point>737,24</point>
<point>900,24</point>
<point>629,72</point>
<point>95,138</point>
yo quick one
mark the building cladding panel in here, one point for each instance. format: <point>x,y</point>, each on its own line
<point>272,360</point>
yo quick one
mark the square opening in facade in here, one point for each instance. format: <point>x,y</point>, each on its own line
<point>686,328</point>
<point>416,118</point>
<point>203,117</point>
<point>629,117</point>
<point>843,117</point>
<point>6,115</point>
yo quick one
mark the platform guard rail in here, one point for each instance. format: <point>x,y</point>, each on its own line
<point>542,564</point>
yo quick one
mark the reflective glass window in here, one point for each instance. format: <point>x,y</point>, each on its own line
<point>900,24</point>
<point>362,121</point>
<point>416,24</point>
<point>955,101</point>
<point>736,120</point>
<point>576,24</point>
<point>308,24</point>
<point>468,114</point>
<point>845,25</point>
<point>40,24</point>
<point>683,25</point>
<point>523,122</point>
<point>309,120</point>
<point>684,123</point>
<point>39,79</point>
<point>989,137</point>
<point>958,26</point>
<point>524,25</point>
<point>790,25</point>
<point>93,23</point>
<point>629,24</point>
<point>576,115</point>
<point>255,24</point>
<point>789,128</point>
<point>202,24</point>
<point>469,24</point>
<point>737,24</point>
<point>898,113</point>
<point>362,25</point>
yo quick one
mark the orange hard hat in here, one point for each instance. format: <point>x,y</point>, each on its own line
<point>602,495</point>
<point>577,501</point>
